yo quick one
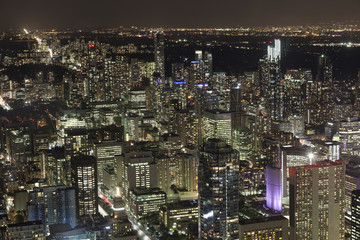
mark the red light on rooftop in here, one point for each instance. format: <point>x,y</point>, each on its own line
<point>291,171</point>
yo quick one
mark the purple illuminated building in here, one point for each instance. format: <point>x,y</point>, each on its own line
<point>273,189</point>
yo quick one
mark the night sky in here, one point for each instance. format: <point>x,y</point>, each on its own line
<point>174,13</point>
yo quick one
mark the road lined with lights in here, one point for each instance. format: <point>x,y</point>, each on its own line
<point>141,233</point>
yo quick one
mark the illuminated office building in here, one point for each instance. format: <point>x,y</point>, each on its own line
<point>204,61</point>
<point>76,142</point>
<point>177,172</point>
<point>109,179</point>
<point>186,127</point>
<point>208,65</point>
<point>179,72</point>
<point>235,97</point>
<point>186,173</point>
<point>274,51</point>
<point>52,205</point>
<point>26,230</point>
<point>136,101</point>
<point>137,71</point>
<point>355,215</point>
<point>178,215</point>
<point>144,201</point>
<point>106,116</point>
<point>159,49</point>
<point>352,183</point>
<point>275,93</point>
<point>349,131</point>
<point>242,142</point>
<point>271,150</point>
<point>317,201</point>
<point>180,83</point>
<point>137,170</point>
<point>251,180</point>
<point>295,81</point>
<point>293,157</point>
<point>343,110</point>
<point>218,191</point>
<point>297,125</point>
<point>107,83</point>
<point>217,124</point>
<point>165,173</point>
<point>105,154</point>
<point>267,228</point>
<point>84,180</point>
<point>132,124</point>
<point>272,84</point>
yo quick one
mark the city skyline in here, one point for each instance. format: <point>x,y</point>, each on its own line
<point>172,133</point>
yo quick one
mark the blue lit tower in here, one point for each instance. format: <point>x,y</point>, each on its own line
<point>218,191</point>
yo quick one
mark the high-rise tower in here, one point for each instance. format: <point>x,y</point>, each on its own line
<point>218,191</point>
<point>84,180</point>
<point>317,201</point>
<point>159,48</point>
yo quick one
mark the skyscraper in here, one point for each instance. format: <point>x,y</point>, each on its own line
<point>355,215</point>
<point>137,170</point>
<point>272,86</point>
<point>274,50</point>
<point>217,124</point>
<point>275,227</point>
<point>159,48</point>
<point>349,136</point>
<point>84,180</point>
<point>274,188</point>
<point>52,205</point>
<point>317,201</point>
<point>235,97</point>
<point>218,191</point>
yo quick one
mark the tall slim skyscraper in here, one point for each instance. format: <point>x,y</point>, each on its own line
<point>218,191</point>
<point>84,180</point>
<point>275,98</point>
<point>272,86</point>
<point>355,215</point>
<point>159,49</point>
<point>317,201</point>
<point>274,50</point>
<point>235,97</point>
